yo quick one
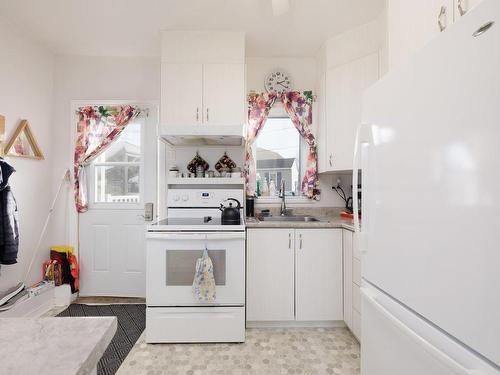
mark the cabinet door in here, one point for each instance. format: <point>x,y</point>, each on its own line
<point>347,237</point>
<point>412,24</point>
<point>270,265</point>
<point>318,274</point>
<point>224,94</point>
<point>344,90</point>
<point>320,118</point>
<point>181,94</point>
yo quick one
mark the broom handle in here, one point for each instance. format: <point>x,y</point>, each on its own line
<point>66,177</point>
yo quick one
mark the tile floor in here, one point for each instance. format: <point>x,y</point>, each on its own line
<point>266,351</point>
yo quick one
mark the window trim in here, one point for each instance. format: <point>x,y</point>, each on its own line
<point>291,199</point>
<point>91,172</point>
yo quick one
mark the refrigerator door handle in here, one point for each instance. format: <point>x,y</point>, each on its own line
<point>431,349</point>
<point>362,134</point>
<point>355,169</point>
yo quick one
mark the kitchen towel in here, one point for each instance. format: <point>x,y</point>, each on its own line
<point>204,280</point>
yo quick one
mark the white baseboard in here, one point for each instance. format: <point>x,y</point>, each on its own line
<point>297,324</point>
<point>35,307</point>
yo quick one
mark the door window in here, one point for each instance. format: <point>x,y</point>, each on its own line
<point>117,172</point>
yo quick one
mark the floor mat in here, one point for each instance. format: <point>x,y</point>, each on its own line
<point>131,324</point>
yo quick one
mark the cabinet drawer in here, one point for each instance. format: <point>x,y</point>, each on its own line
<point>356,324</point>
<point>189,324</point>
<point>356,272</point>
<point>356,298</point>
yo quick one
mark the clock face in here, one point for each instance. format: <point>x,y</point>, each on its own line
<point>278,81</point>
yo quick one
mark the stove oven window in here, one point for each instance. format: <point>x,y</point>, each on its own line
<point>181,266</point>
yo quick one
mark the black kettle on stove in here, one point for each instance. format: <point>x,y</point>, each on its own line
<point>231,215</point>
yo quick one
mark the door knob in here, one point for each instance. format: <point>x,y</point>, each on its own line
<point>148,212</point>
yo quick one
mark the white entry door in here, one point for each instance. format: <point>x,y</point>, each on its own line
<point>121,181</point>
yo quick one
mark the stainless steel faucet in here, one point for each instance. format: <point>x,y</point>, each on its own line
<point>282,196</point>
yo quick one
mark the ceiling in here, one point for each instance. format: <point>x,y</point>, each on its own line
<point>131,27</point>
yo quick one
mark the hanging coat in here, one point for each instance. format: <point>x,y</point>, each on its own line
<point>9,226</point>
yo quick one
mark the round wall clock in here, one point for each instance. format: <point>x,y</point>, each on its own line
<point>278,81</point>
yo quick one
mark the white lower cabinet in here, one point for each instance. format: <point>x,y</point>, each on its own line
<point>352,282</point>
<point>294,274</point>
<point>270,274</point>
<point>318,274</point>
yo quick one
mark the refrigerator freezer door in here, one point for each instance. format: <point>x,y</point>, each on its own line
<point>396,341</point>
<point>431,183</point>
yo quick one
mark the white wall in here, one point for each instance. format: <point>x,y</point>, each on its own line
<point>26,76</point>
<point>303,71</point>
<point>92,79</point>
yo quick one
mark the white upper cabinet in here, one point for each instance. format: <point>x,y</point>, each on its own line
<point>413,24</point>
<point>344,89</point>
<point>223,94</point>
<point>181,94</point>
<point>203,79</point>
<point>347,65</point>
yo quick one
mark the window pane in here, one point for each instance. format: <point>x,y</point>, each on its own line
<point>117,184</point>
<point>278,154</point>
<point>126,148</point>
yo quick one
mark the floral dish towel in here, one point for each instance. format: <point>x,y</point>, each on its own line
<point>204,280</point>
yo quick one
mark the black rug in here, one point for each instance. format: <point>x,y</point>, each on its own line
<point>131,324</point>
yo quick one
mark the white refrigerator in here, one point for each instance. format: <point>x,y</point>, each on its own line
<point>429,151</point>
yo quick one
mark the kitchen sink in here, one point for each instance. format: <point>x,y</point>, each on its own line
<point>305,219</point>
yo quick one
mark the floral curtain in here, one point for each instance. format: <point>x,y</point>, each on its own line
<point>98,127</point>
<point>259,106</point>
<point>299,108</point>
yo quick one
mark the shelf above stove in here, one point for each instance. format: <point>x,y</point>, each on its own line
<point>206,181</point>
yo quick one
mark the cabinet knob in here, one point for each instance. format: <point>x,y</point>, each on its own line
<point>207,114</point>
<point>197,113</point>
<point>300,241</point>
<point>289,240</point>
<point>330,160</point>
<point>461,8</point>
<point>441,19</point>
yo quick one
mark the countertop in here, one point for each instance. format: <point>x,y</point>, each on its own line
<point>65,346</point>
<point>330,218</point>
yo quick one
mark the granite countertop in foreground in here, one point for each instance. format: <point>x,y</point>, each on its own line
<point>330,218</point>
<point>66,346</point>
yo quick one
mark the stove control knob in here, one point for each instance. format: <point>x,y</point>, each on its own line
<point>176,198</point>
<point>185,198</point>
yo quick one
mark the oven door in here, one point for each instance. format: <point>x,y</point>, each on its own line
<point>171,260</point>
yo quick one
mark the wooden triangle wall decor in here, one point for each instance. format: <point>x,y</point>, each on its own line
<point>23,143</point>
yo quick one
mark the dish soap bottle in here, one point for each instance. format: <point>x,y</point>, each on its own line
<point>265,188</point>
<point>272,188</point>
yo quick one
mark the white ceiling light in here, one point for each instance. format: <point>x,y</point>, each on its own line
<point>280,7</point>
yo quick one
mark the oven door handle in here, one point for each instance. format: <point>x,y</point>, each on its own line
<point>196,236</point>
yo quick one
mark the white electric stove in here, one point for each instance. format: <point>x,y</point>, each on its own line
<point>174,244</point>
